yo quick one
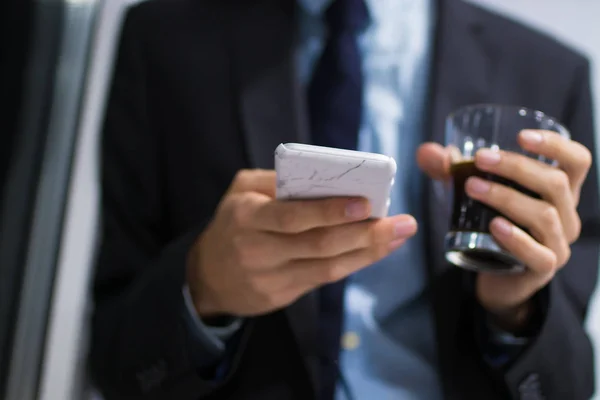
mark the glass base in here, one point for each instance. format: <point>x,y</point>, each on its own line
<point>477,251</point>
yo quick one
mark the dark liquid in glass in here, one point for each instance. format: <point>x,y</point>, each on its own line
<point>469,215</point>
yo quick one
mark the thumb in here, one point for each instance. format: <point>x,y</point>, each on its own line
<point>254,180</point>
<point>434,160</point>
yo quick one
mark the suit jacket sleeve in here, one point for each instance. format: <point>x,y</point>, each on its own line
<point>142,346</point>
<point>559,361</point>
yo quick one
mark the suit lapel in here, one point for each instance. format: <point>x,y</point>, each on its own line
<point>273,112</point>
<point>461,73</point>
<point>271,103</point>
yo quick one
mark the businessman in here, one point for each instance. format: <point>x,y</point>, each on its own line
<point>208,288</point>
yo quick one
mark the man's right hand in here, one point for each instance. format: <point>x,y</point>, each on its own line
<point>260,254</point>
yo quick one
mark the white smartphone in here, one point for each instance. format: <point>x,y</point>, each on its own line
<point>314,172</point>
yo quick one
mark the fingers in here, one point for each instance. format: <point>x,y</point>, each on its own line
<point>295,264</point>
<point>503,294</point>
<point>572,157</point>
<point>302,215</point>
<point>551,183</point>
<point>541,260</point>
<point>336,240</point>
<point>539,217</point>
<point>266,250</point>
<point>308,274</point>
<point>433,159</point>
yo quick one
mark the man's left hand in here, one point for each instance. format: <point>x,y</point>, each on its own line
<point>552,221</point>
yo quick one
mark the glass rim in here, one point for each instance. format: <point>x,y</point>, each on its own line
<point>560,127</point>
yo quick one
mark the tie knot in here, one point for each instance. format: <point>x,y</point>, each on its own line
<point>347,15</point>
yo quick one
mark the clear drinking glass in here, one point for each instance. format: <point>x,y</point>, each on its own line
<point>469,243</point>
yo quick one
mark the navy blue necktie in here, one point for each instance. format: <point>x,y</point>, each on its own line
<point>335,93</point>
<point>335,97</point>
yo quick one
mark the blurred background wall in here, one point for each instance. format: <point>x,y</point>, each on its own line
<point>573,21</point>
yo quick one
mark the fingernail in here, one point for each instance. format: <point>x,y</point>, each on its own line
<point>488,157</point>
<point>477,185</point>
<point>502,227</point>
<point>404,228</point>
<point>531,137</point>
<point>357,209</point>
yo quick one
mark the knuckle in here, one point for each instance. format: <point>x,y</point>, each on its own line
<point>272,299</point>
<point>239,250</point>
<point>260,287</point>
<point>241,210</point>
<point>560,181</point>
<point>375,235</point>
<point>332,272</point>
<point>565,257</point>
<point>549,216</point>
<point>551,264</point>
<point>322,242</point>
<point>547,266</point>
<point>573,235</point>
<point>242,177</point>
<point>286,221</point>
<point>586,158</point>
<point>499,194</point>
<point>238,242</point>
<point>245,252</point>
<point>517,164</point>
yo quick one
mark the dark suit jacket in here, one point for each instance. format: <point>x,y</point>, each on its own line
<point>202,89</point>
